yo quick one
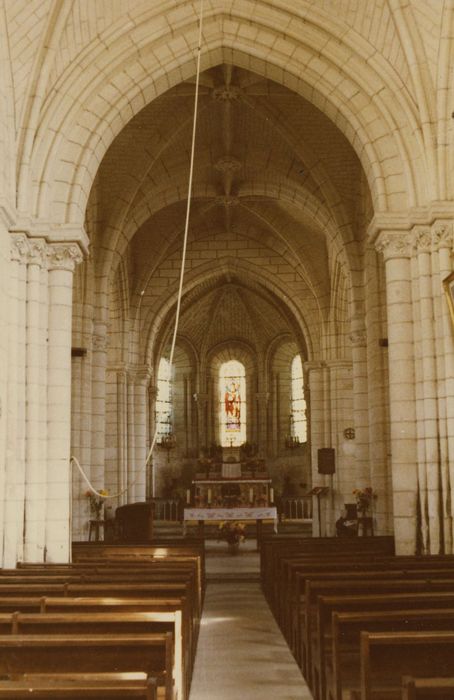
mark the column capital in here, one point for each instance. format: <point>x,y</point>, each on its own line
<point>393,245</point>
<point>20,247</point>
<point>358,338</point>
<point>152,391</point>
<point>37,253</point>
<point>422,239</point>
<point>443,235</point>
<point>64,256</point>
<point>98,342</point>
<point>141,374</point>
<point>311,365</point>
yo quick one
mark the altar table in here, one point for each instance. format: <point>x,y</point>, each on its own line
<point>219,514</point>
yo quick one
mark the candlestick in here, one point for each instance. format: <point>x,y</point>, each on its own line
<point>188,496</point>
<point>271,495</point>
<point>251,495</point>
<point>209,496</point>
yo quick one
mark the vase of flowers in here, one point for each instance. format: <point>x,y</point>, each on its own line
<point>233,532</point>
<point>96,502</point>
<point>364,498</point>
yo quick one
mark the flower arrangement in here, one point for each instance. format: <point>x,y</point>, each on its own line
<point>364,498</point>
<point>96,503</point>
<point>232,531</point>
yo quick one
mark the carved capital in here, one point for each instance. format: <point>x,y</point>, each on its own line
<point>37,254</point>
<point>393,245</point>
<point>19,247</point>
<point>422,240</point>
<point>98,343</point>
<point>64,256</point>
<point>443,236</point>
<point>358,338</point>
<point>152,392</point>
<point>141,374</point>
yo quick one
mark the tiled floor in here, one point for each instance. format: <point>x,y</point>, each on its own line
<point>241,653</point>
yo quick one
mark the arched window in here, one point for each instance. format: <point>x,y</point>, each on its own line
<point>298,402</point>
<point>164,399</point>
<point>232,403</point>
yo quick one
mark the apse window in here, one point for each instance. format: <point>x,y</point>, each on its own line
<point>298,401</point>
<point>232,403</point>
<point>164,399</point>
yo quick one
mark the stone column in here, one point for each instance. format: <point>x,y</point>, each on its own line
<point>150,476</point>
<point>442,237</point>
<point>15,455</point>
<point>131,460</point>
<point>122,434</point>
<point>314,373</point>
<point>98,404</point>
<point>377,377</point>
<point>62,260</point>
<point>396,250</point>
<point>202,406</point>
<point>262,398</point>
<point>427,429</point>
<point>338,409</point>
<point>142,377</point>
<point>35,466</point>
<point>358,340</point>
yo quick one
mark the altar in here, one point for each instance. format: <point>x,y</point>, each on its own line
<point>218,515</point>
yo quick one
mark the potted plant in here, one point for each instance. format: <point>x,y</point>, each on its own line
<point>233,532</point>
<point>364,498</point>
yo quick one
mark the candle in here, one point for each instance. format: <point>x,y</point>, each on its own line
<point>209,496</point>
<point>188,496</point>
<point>271,495</point>
<point>251,495</point>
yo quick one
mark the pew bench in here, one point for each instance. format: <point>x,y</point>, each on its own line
<point>342,665</point>
<point>316,587</point>
<point>384,604</point>
<point>108,686</point>
<point>94,653</point>
<point>427,688</point>
<point>386,657</point>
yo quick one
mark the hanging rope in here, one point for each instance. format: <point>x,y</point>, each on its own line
<point>73,459</point>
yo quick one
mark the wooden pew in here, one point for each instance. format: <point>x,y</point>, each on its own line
<point>274,547</point>
<point>194,549</point>
<point>111,624</point>
<point>315,587</point>
<point>328,605</point>
<point>427,688</point>
<point>94,653</point>
<point>343,663</point>
<point>113,610</point>
<point>298,641</point>
<point>387,656</point>
<point>290,568</point>
<point>108,686</point>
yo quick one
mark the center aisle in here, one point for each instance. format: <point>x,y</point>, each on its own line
<point>241,653</point>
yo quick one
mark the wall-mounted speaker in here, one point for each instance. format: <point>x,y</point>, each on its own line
<point>326,460</point>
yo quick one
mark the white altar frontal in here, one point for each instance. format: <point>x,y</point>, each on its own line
<point>202,515</point>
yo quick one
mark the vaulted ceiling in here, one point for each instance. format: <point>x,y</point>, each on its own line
<point>276,187</point>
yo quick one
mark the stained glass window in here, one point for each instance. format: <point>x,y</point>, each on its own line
<point>164,399</point>
<point>232,403</point>
<point>298,401</point>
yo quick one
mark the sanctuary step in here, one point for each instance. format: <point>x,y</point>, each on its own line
<point>163,529</point>
<point>295,527</point>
